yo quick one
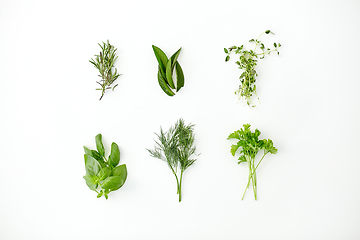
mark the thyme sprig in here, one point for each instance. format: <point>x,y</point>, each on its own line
<point>247,62</point>
<point>176,147</point>
<point>104,62</point>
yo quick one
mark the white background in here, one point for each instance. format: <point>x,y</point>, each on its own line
<point>50,110</point>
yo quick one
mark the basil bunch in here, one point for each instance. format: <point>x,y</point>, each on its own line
<point>166,71</point>
<point>101,172</point>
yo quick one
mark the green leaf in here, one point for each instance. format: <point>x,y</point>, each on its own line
<point>92,166</point>
<point>275,45</point>
<point>100,194</point>
<point>174,58</point>
<point>112,183</point>
<point>227,58</point>
<point>95,154</point>
<point>161,58</point>
<point>225,50</point>
<point>169,73</point>
<point>87,151</point>
<point>120,171</point>
<point>114,157</point>
<point>235,135</point>
<point>91,182</point>
<point>267,31</point>
<point>104,173</point>
<point>99,145</point>
<point>234,148</point>
<point>180,81</point>
<point>164,85</point>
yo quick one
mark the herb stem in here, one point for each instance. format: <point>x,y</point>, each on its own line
<point>180,185</point>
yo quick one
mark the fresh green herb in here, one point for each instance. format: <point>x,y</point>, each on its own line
<point>167,67</point>
<point>250,145</point>
<point>102,172</point>
<point>105,64</point>
<point>247,62</point>
<point>175,147</point>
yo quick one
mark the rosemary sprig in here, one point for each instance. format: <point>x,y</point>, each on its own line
<point>105,64</point>
<point>247,62</point>
<point>175,147</point>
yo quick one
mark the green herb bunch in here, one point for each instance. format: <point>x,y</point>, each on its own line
<point>101,172</point>
<point>249,145</point>
<point>176,147</point>
<point>168,68</point>
<point>105,64</point>
<point>247,62</point>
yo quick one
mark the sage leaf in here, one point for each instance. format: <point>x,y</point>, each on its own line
<point>164,85</point>
<point>174,58</point>
<point>161,58</point>
<point>179,76</point>
<point>169,73</point>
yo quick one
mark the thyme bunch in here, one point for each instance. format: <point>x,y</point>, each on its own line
<point>104,62</point>
<point>247,62</point>
<point>176,147</point>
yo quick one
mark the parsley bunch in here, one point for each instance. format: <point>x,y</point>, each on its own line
<point>102,172</point>
<point>176,147</point>
<point>247,62</point>
<point>249,145</point>
<point>104,62</point>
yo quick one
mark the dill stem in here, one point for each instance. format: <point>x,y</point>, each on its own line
<point>179,189</point>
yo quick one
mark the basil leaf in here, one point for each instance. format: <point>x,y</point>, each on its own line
<point>91,182</point>
<point>104,173</point>
<point>112,183</point>
<point>100,194</point>
<point>95,154</point>
<point>120,171</point>
<point>92,166</point>
<point>87,151</point>
<point>179,76</point>
<point>114,157</point>
<point>99,145</point>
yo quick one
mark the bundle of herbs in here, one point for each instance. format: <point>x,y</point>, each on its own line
<point>101,172</point>
<point>249,145</point>
<point>168,69</point>
<point>104,62</point>
<point>247,62</point>
<point>176,148</point>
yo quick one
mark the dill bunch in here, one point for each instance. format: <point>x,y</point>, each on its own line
<point>176,148</point>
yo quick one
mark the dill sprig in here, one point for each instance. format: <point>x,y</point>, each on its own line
<point>104,62</point>
<point>176,147</point>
